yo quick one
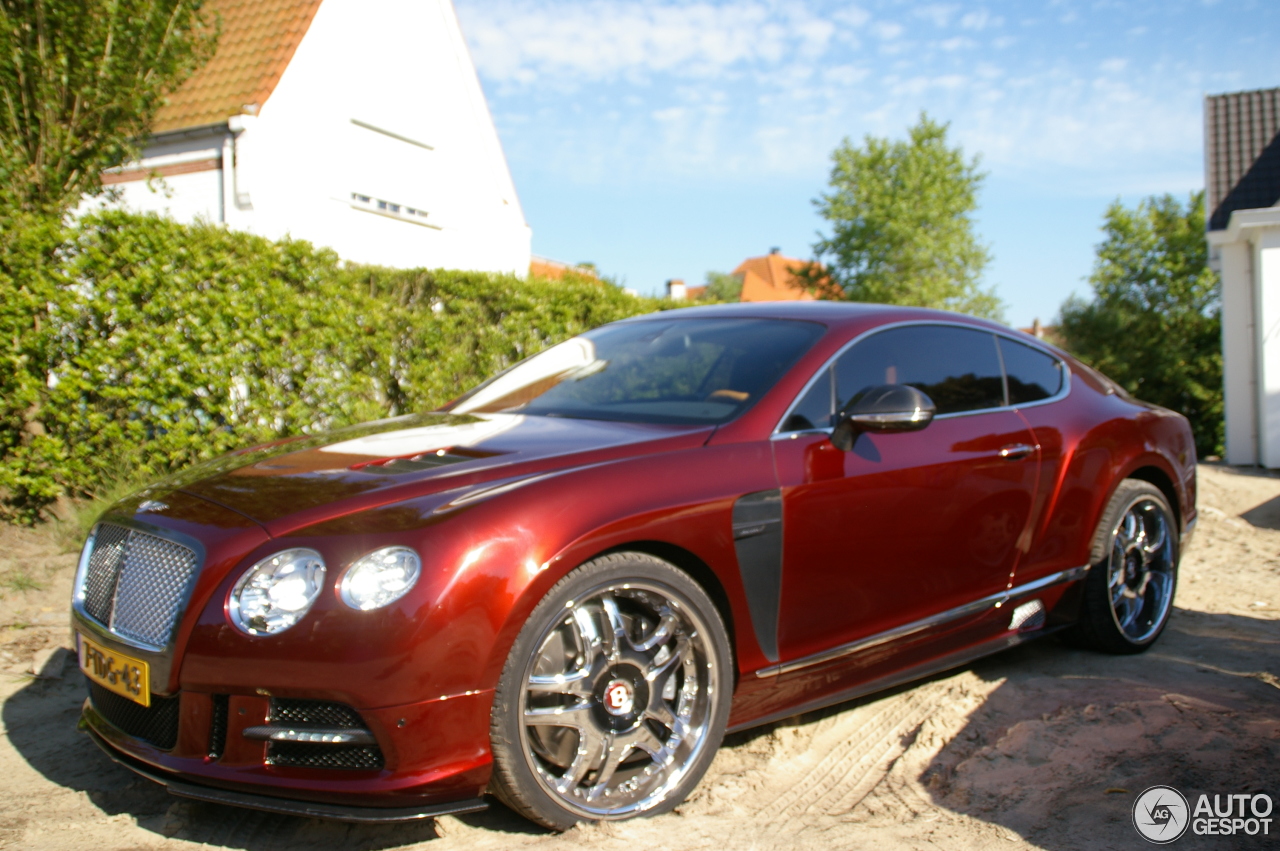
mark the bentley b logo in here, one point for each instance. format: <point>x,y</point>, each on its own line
<point>618,698</point>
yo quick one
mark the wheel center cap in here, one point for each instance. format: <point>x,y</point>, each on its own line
<point>1131,566</point>
<point>619,697</point>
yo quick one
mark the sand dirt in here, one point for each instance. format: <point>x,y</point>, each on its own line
<point>1042,746</point>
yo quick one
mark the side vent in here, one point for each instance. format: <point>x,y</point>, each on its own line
<point>757,540</point>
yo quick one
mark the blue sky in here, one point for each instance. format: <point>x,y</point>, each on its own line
<point>662,140</point>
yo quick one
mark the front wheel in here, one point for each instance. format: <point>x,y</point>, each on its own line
<point>1128,593</point>
<point>614,697</point>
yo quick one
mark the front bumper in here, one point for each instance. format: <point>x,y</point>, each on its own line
<point>437,760</point>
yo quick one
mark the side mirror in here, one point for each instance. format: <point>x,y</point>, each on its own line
<point>883,409</point>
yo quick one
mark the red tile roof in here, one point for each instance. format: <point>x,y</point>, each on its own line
<point>258,39</point>
<point>770,278</point>
<point>541,267</point>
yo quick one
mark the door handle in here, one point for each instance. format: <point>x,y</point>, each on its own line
<point>1017,451</point>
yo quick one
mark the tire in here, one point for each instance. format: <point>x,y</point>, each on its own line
<point>615,696</point>
<point>1133,574</point>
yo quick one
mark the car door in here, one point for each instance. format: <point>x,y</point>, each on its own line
<point>908,525</point>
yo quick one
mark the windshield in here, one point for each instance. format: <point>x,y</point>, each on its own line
<point>678,371</point>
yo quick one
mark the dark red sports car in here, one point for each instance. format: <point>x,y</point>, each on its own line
<point>564,588</point>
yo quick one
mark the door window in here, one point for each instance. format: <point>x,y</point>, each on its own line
<point>816,407</point>
<point>958,368</point>
<point>1033,375</point>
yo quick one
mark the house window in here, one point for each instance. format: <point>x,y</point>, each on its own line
<point>391,209</point>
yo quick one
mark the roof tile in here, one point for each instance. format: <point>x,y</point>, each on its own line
<point>258,39</point>
<point>769,278</point>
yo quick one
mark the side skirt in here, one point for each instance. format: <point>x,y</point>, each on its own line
<point>942,619</point>
<point>916,672</point>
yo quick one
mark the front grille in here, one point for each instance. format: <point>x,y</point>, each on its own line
<point>136,583</point>
<point>156,724</point>
<point>218,726</point>
<point>320,713</point>
<point>317,713</point>
<point>309,755</point>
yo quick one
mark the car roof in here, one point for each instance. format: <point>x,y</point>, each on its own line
<point>834,313</point>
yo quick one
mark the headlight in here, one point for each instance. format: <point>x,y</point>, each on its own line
<point>380,578</point>
<point>276,592</point>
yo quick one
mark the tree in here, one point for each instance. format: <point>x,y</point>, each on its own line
<point>80,82</point>
<point>1154,324</point>
<point>902,227</point>
<point>722,286</point>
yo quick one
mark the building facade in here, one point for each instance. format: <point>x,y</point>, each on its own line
<point>1242,200</point>
<point>355,124</point>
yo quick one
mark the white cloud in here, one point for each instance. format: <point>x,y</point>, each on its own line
<point>887,30</point>
<point>938,14</point>
<point>980,20</point>
<point>845,75</point>
<point>852,16</point>
<point>768,87</point>
<point>523,41</point>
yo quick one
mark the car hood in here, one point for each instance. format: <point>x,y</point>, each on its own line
<point>299,481</point>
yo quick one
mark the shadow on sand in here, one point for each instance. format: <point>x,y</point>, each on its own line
<point>41,721</point>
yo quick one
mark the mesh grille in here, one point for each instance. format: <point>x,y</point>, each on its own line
<point>136,583</point>
<point>320,713</point>
<point>104,569</point>
<point>307,755</point>
<point>218,726</point>
<point>156,724</point>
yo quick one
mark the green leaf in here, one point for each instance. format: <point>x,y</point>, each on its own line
<point>901,214</point>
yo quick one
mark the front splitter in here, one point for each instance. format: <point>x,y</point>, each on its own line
<point>285,806</point>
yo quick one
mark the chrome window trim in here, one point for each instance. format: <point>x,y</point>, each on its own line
<point>1062,393</point>
<point>991,601</point>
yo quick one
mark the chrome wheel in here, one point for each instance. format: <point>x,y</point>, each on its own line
<point>1141,570</point>
<point>618,700</point>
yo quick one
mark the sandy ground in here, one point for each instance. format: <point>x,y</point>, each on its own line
<point>1042,746</point>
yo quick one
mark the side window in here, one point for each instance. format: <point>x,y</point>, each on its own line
<point>958,367</point>
<point>815,408</point>
<point>1033,375</point>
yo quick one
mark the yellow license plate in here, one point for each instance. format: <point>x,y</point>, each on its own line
<point>124,675</point>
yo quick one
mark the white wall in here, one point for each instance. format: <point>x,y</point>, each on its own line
<point>1266,260</point>
<point>1249,262</point>
<point>185,197</point>
<point>1238,354</point>
<point>399,65</point>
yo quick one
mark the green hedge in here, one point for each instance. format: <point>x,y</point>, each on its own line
<point>140,345</point>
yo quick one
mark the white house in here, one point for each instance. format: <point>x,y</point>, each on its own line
<point>1242,188</point>
<point>355,124</point>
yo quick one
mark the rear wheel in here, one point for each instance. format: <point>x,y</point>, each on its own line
<point>1134,572</point>
<point>615,696</point>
